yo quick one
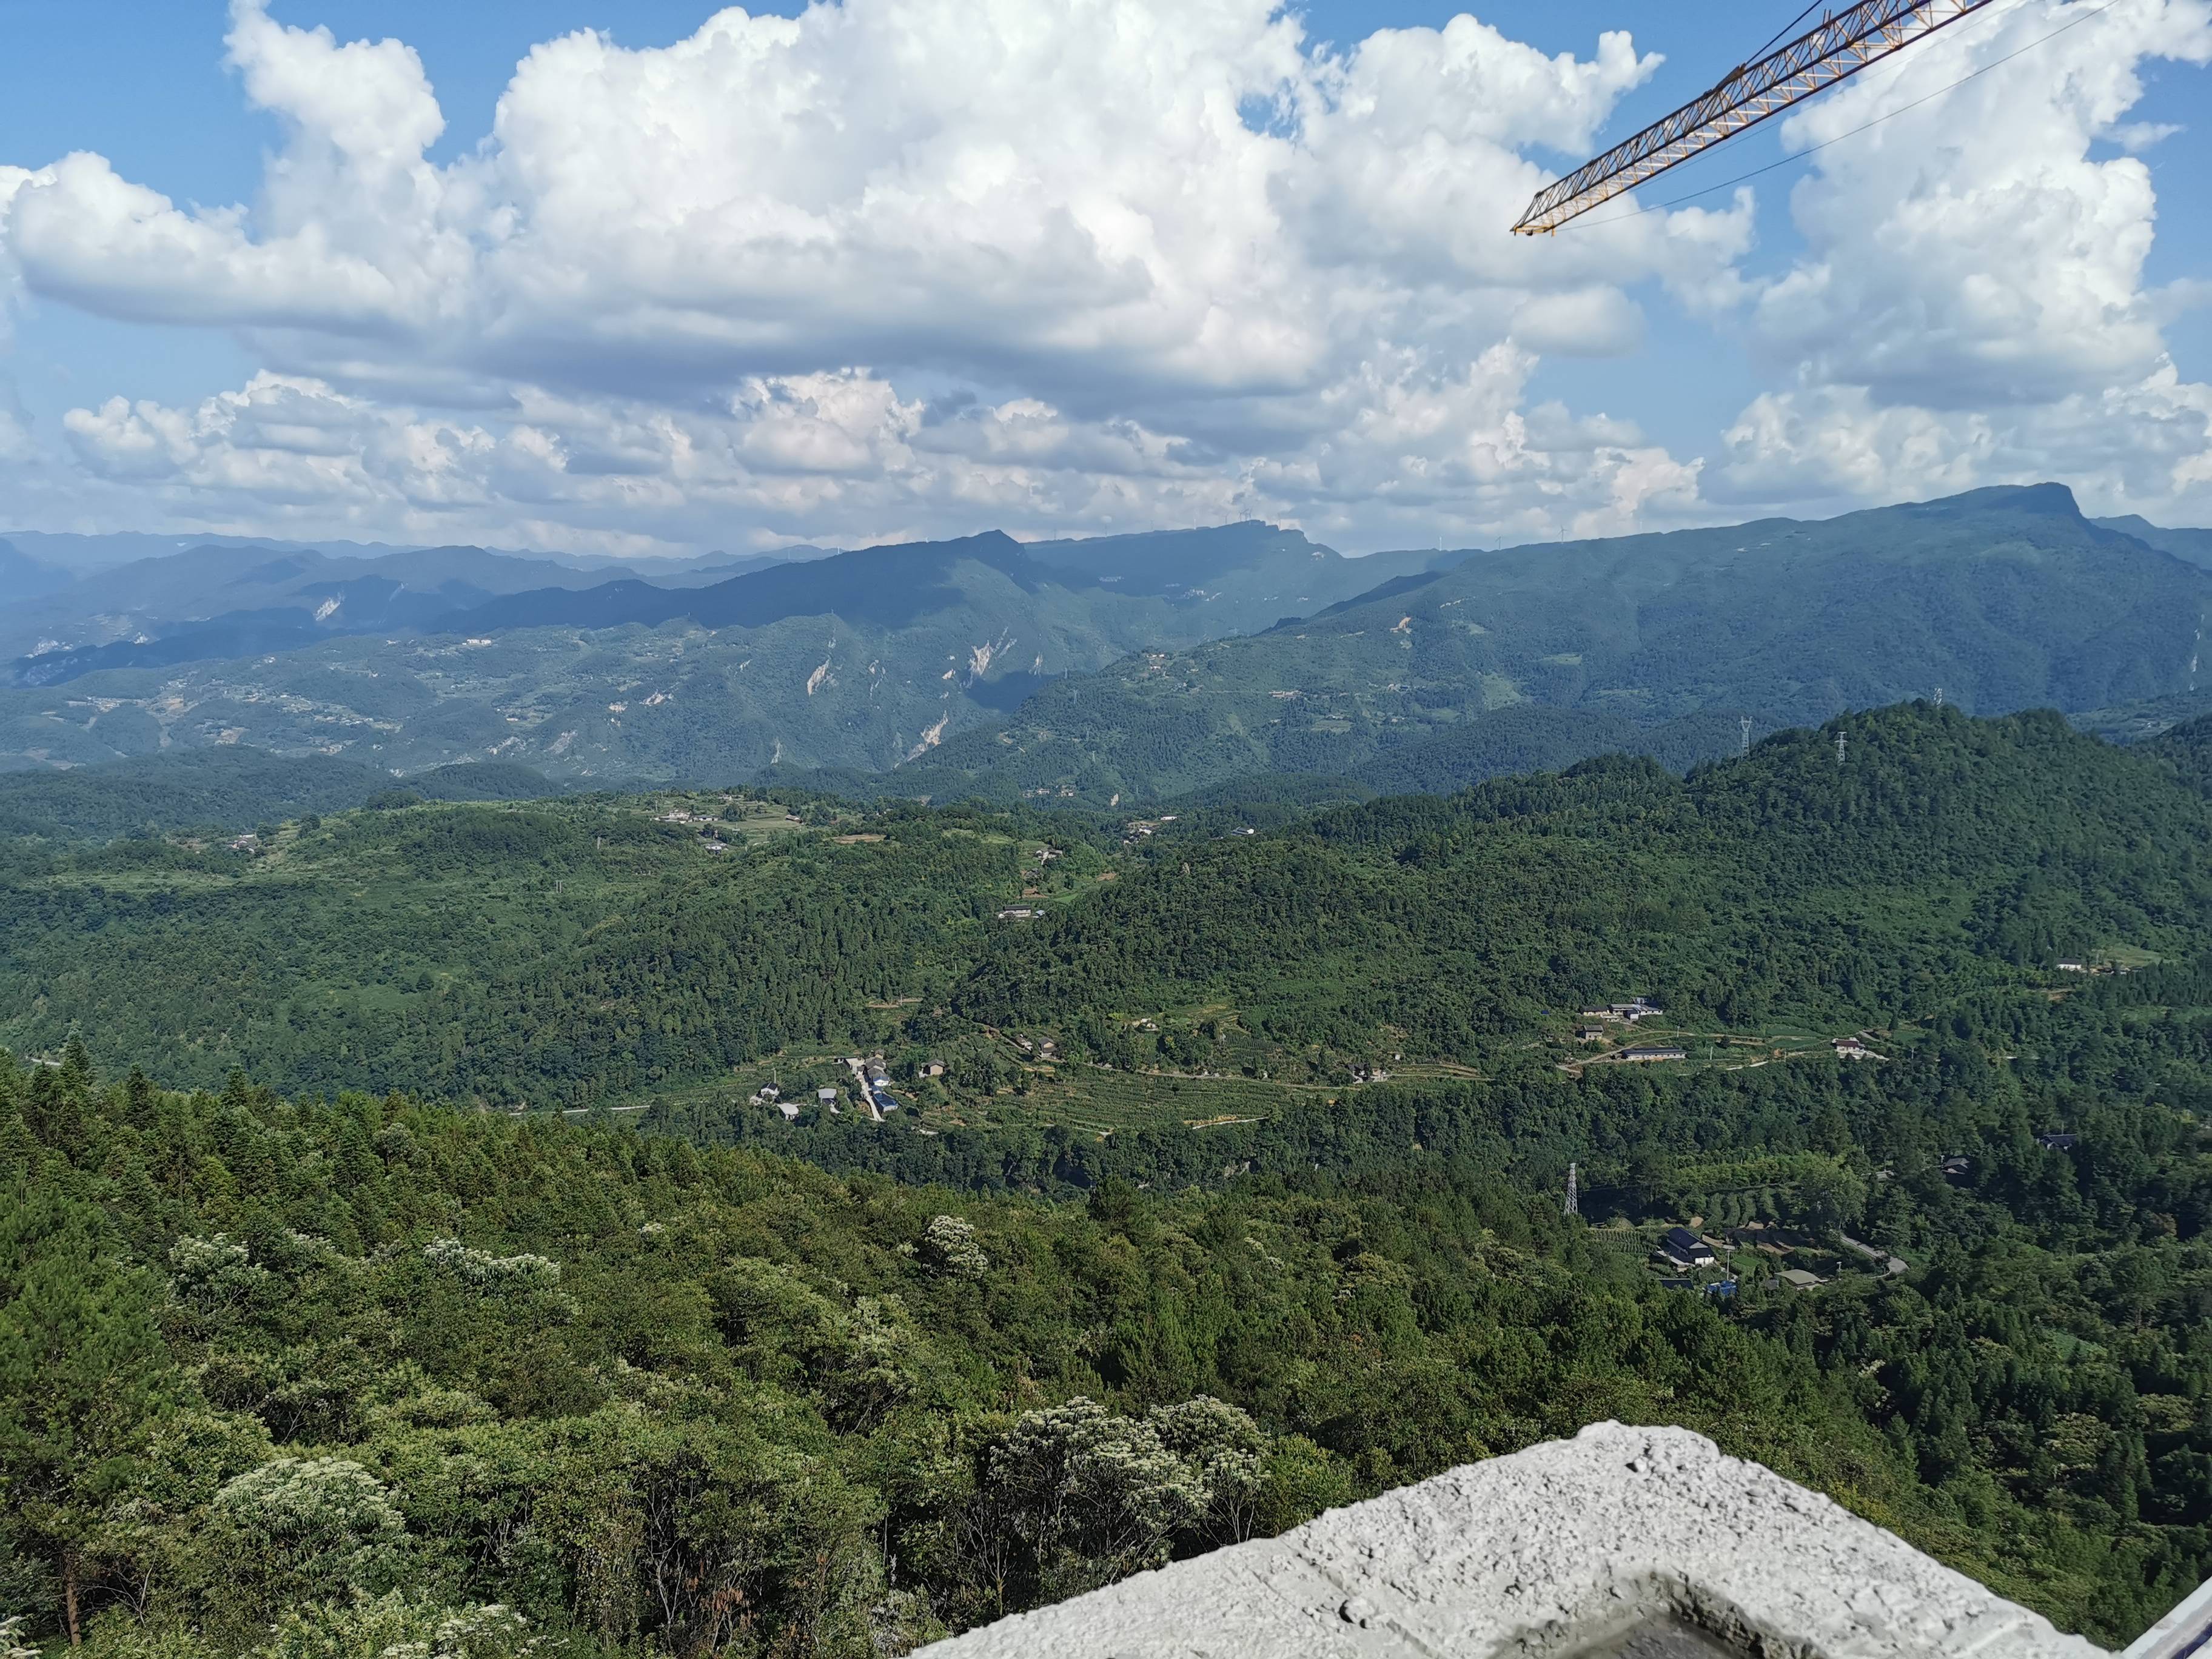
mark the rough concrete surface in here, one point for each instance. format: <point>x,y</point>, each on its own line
<point>1555,1551</point>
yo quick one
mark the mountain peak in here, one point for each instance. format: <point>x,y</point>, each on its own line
<point>2039,500</point>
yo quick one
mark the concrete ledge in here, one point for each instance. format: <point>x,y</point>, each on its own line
<point>1559,1550</point>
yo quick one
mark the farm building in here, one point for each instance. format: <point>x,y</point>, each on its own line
<point>1684,1248</point>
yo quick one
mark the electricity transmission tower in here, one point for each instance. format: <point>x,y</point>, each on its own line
<point>1840,46</point>
<point>1573,1206</point>
<point>1839,749</point>
<point>1746,723</point>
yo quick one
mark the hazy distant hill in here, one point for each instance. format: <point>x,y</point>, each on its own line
<point>2194,545</point>
<point>223,600</point>
<point>1134,667</point>
<point>857,659</point>
<point>1255,573</point>
<point>2002,599</point>
<point>1236,577</point>
<point>22,577</point>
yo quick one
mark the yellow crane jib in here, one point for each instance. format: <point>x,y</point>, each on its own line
<point>1840,46</point>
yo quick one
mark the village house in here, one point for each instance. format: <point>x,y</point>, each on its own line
<point>1685,1248</point>
<point>1648,1052</point>
<point>1759,1237</point>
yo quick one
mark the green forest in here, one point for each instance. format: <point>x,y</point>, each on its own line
<point>571,952</point>
<point>396,1250</point>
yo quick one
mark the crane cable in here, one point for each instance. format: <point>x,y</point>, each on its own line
<point>1768,43</point>
<point>1656,207</point>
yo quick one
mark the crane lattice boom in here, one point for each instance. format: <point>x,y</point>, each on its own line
<point>1841,46</point>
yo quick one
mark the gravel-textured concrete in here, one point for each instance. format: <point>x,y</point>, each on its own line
<point>1553,1552</point>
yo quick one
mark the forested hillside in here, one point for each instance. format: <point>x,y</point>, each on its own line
<point>326,1375</point>
<point>561,951</point>
<point>411,661</point>
<point>230,788</point>
<point>1119,671</point>
<point>1222,1188</point>
<point>2002,598</point>
<point>576,951</point>
<point>1933,853</point>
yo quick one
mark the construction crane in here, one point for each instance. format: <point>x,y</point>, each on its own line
<point>1840,46</point>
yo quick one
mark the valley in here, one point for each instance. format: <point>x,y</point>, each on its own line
<point>898,829</point>
<point>1229,1084</point>
<point>1253,1139</point>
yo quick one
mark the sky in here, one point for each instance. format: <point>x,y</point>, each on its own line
<point>645,278</point>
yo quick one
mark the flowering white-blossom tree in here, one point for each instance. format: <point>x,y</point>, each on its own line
<point>312,1527</point>
<point>391,1626</point>
<point>1095,1496</point>
<point>949,1245</point>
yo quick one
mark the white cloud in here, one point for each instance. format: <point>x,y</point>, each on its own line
<point>2137,136</point>
<point>911,267</point>
<point>890,264</point>
<point>1972,308</point>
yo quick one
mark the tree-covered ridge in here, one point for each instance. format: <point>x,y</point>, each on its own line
<point>306,1378</point>
<point>2003,598</point>
<point>569,951</point>
<point>1936,853</point>
<point>854,660</point>
<point>228,788</point>
<point>588,949</point>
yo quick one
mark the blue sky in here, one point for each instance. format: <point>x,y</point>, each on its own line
<point>1402,380</point>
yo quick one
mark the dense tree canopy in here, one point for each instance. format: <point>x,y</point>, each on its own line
<point>319,1368</point>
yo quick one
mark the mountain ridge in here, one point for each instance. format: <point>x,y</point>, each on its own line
<point>2002,598</point>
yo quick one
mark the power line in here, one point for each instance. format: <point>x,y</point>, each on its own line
<point>1766,43</point>
<point>1815,149</point>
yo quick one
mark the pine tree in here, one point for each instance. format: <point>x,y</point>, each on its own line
<point>86,1372</point>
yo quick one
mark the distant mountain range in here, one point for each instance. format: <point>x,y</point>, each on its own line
<point>1662,644</point>
<point>221,599</point>
<point>2194,545</point>
<point>1121,669</point>
<point>859,661</point>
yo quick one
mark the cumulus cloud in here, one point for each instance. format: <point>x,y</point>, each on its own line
<point>890,264</point>
<point>906,267</point>
<point>1972,304</point>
